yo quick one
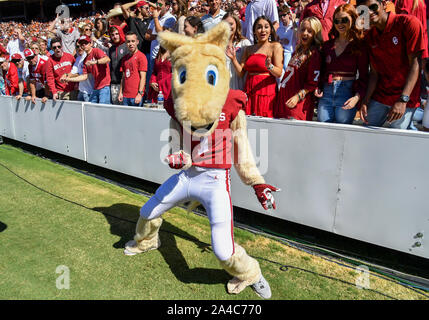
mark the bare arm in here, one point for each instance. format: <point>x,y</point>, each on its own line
<point>125,8</point>
<point>238,65</point>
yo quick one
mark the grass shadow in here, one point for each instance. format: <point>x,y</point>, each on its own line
<point>123,217</point>
<point>3,226</point>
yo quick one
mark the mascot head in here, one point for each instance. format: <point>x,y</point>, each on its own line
<point>200,78</point>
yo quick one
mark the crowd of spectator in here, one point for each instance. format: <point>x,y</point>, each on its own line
<point>326,60</point>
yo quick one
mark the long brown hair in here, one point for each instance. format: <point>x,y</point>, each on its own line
<point>273,34</point>
<point>237,36</point>
<point>355,35</point>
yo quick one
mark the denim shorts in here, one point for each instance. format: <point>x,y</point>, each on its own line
<point>335,94</point>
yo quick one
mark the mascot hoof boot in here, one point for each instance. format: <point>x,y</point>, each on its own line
<point>262,288</point>
<point>132,247</point>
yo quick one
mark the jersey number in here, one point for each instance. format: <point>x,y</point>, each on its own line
<point>317,73</point>
<point>291,71</point>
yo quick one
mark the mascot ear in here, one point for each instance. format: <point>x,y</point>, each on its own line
<point>218,35</point>
<point>171,40</point>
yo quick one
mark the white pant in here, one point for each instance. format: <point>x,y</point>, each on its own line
<point>210,187</point>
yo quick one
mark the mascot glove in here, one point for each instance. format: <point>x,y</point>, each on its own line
<point>176,160</point>
<point>264,195</point>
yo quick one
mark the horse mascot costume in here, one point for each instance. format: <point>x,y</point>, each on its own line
<point>207,121</point>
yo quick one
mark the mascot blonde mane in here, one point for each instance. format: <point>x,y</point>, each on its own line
<point>201,106</point>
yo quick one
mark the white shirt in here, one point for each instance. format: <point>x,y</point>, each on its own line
<point>24,73</point>
<point>210,21</point>
<point>86,86</point>
<point>166,21</point>
<point>255,9</point>
<point>15,46</point>
<point>236,82</point>
<point>286,32</point>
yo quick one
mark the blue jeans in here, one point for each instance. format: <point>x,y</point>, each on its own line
<point>335,94</point>
<point>83,96</point>
<point>100,95</point>
<point>417,117</point>
<point>377,116</point>
<point>131,102</point>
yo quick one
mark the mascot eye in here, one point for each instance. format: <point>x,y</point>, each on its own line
<point>211,75</point>
<point>182,75</point>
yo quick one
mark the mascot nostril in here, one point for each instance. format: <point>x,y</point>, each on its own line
<point>207,113</point>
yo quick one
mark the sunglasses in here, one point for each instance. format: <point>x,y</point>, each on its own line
<point>374,7</point>
<point>56,47</point>
<point>342,21</point>
<point>86,29</point>
<point>284,14</point>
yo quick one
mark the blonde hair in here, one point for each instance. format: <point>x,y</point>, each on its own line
<point>316,26</point>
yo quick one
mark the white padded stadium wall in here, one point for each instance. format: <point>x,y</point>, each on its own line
<point>364,183</point>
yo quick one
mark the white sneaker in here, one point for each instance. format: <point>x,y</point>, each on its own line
<point>262,288</point>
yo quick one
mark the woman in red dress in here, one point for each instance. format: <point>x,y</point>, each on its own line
<point>301,77</point>
<point>263,63</point>
<point>160,79</point>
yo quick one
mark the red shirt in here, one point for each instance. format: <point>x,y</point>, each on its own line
<point>38,72</point>
<point>131,65</point>
<point>55,69</point>
<point>100,72</point>
<point>214,151</point>
<point>347,64</point>
<point>11,80</point>
<point>406,7</point>
<point>299,75</point>
<point>315,9</point>
<point>388,54</point>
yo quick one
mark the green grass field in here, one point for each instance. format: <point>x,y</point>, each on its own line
<point>40,231</point>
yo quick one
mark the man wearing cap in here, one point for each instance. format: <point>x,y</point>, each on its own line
<point>22,67</point>
<point>115,18</point>
<point>97,64</point>
<point>37,75</point>
<point>138,24</point>
<point>10,76</point>
<point>58,65</point>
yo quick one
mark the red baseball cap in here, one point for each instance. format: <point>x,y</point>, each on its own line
<point>16,56</point>
<point>84,38</point>
<point>28,53</point>
<point>141,4</point>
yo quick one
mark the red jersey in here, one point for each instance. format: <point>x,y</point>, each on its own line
<point>131,65</point>
<point>388,52</point>
<point>314,9</point>
<point>11,80</point>
<point>38,72</point>
<point>347,64</point>
<point>55,69</point>
<point>214,151</point>
<point>100,72</point>
<point>299,75</point>
<point>406,7</point>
